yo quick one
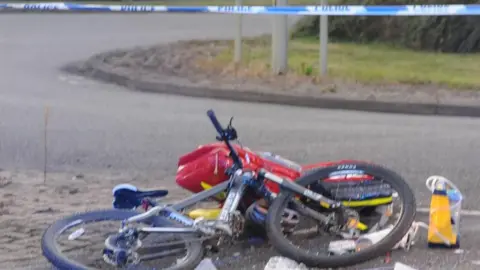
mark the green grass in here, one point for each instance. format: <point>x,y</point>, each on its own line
<point>372,63</point>
<point>181,2</point>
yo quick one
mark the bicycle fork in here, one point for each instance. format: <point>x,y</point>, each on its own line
<point>238,184</point>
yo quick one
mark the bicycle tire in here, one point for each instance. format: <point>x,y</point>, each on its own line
<point>287,249</point>
<point>57,259</point>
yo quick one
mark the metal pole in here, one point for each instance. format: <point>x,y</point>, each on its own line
<point>238,36</point>
<point>280,41</point>
<point>323,41</point>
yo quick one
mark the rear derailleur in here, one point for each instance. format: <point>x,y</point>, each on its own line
<point>343,223</point>
<point>120,248</point>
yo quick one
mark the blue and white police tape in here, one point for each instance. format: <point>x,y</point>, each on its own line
<point>335,10</point>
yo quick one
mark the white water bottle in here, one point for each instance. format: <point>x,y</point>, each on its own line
<point>455,199</point>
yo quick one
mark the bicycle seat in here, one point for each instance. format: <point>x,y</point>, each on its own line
<point>127,196</point>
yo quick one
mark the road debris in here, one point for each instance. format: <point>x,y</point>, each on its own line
<point>401,266</point>
<point>475,262</point>
<point>396,266</point>
<point>206,264</point>
<point>277,262</point>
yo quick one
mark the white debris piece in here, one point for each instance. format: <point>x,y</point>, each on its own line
<point>281,263</point>
<point>396,266</point>
<point>401,266</point>
<point>475,262</point>
<point>206,264</point>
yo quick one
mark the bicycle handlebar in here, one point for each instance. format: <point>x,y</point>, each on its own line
<point>224,137</point>
<point>216,124</point>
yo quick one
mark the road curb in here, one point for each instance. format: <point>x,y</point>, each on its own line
<point>94,68</point>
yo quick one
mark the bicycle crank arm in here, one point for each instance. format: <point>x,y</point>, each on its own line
<point>292,186</point>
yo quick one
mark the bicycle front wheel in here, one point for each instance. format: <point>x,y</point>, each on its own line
<point>348,250</point>
<point>85,244</point>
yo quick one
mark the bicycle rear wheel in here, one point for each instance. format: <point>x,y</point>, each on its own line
<point>310,255</point>
<point>82,238</point>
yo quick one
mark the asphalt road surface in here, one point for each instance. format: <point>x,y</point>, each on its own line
<point>100,127</point>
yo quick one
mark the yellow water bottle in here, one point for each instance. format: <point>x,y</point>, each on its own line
<point>206,213</point>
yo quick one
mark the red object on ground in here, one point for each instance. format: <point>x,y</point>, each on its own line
<point>208,163</point>
<point>388,257</point>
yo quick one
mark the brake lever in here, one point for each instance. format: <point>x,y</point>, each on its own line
<point>229,133</point>
<point>232,134</point>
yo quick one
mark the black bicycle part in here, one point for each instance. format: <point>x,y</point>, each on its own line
<point>226,135</point>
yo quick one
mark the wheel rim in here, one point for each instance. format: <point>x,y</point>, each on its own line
<point>81,239</point>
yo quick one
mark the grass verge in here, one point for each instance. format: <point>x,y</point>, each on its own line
<point>370,64</point>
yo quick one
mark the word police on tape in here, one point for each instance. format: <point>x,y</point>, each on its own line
<point>332,10</point>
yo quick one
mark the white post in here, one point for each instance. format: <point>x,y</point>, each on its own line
<point>238,36</point>
<point>323,41</point>
<point>280,41</point>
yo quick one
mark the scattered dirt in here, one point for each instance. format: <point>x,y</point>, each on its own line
<point>28,206</point>
<point>189,63</point>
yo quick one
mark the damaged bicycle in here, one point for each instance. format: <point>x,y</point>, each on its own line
<point>323,215</point>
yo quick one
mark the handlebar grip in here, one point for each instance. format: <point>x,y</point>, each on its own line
<point>215,122</point>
